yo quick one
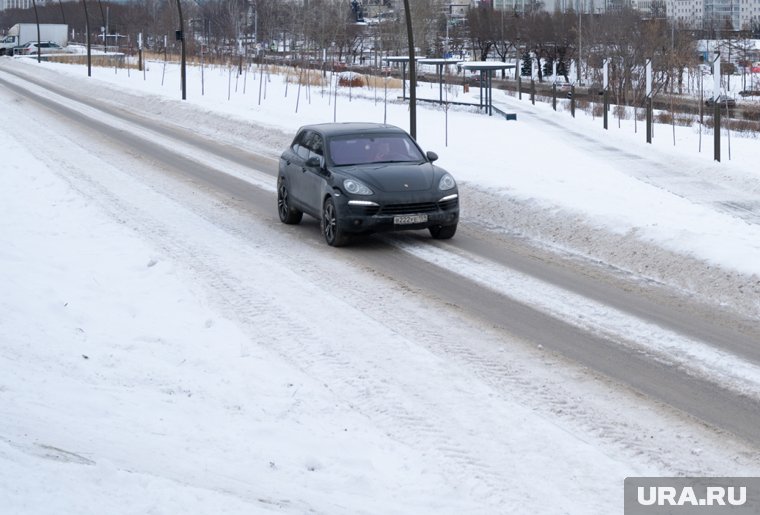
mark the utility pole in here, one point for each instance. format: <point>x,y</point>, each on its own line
<point>89,43</point>
<point>39,43</point>
<point>605,89</point>
<point>580,42</point>
<point>181,38</point>
<point>716,107</point>
<point>648,68</point>
<point>412,73</point>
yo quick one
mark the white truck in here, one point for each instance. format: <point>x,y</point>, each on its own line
<point>22,33</point>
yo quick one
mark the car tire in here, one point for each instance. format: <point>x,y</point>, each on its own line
<point>443,232</point>
<point>288,214</point>
<point>333,234</point>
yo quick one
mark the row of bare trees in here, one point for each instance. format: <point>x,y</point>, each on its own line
<point>312,29</point>
<point>625,38</point>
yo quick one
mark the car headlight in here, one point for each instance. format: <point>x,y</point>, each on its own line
<point>447,182</point>
<point>356,187</point>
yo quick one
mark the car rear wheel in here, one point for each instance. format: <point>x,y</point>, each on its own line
<point>288,214</point>
<point>331,230</point>
<point>443,232</point>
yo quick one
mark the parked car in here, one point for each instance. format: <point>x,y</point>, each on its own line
<point>43,47</point>
<point>16,50</point>
<point>723,100</point>
<point>364,178</point>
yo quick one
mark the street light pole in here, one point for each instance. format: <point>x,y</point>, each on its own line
<point>412,73</point>
<point>39,43</point>
<point>580,42</point>
<point>181,37</point>
<point>89,43</point>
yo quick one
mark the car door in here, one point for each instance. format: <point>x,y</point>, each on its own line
<point>314,177</point>
<point>294,161</point>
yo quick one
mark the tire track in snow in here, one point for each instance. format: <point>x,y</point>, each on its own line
<point>245,307</point>
<point>379,383</point>
<point>370,384</point>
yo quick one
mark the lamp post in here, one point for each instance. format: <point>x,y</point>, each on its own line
<point>181,38</point>
<point>580,42</point>
<point>412,73</point>
<point>648,71</point>
<point>89,43</point>
<point>605,89</point>
<point>39,43</point>
<point>716,107</point>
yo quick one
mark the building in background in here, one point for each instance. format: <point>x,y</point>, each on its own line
<point>721,14</point>
<point>710,15</point>
<point>715,15</point>
<point>15,4</point>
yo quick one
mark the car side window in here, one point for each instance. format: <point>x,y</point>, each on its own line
<point>302,152</point>
<point>299,147</point>
<point>313,142</point>
<point>315,145</point>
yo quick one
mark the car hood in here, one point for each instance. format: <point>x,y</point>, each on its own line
<point>395,177</point>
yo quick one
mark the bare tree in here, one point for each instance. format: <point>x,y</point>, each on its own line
<point>508,36</point>
<point>483,29</point>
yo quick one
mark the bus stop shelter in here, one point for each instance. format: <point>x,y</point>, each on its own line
<point>486,69</point>
<point>404,60</point>
<point>439,63</point>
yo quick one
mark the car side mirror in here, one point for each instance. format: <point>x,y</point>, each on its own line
<point>432,156</point>
<point>314,162</point>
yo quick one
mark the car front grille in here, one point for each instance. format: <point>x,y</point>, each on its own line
<point>365,210</point>
<point>406,209</point>
<point>420,207</point>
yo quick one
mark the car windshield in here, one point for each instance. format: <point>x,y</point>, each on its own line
<point>368,149</point>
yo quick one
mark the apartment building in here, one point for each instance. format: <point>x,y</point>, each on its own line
<point>15,4</point>
<point>715,14</point>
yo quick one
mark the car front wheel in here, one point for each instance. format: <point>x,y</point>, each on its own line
<point>331,230</point>
<point>288,214</point>
<point>443,232</point>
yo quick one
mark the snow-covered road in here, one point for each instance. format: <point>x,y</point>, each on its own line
<point>169,346</point>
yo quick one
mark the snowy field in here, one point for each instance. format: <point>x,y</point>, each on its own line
<point>131,383</point>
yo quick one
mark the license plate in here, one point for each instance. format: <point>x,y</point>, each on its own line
<point>410,219</point>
